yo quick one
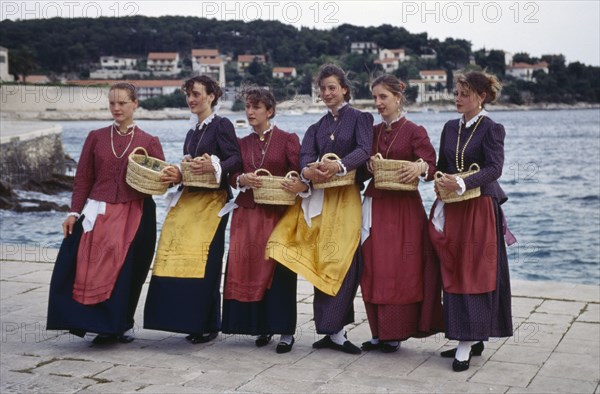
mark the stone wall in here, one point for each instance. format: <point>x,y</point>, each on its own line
<point>30,151</point>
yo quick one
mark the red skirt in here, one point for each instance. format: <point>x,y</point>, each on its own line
<point>467,248</point>
<point>249,274</point>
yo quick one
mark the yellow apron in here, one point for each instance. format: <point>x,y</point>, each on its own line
<point>323,252</point>
<point>187,234</point>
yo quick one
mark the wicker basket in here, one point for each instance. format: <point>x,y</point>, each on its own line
<point>335,181</point>
<point>144,172</point>
<point>468,194</point>
<point>207,180</point>
<point>385,173</point>
<point>271,192</point>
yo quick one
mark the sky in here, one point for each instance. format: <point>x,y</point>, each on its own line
<point>571,28</point>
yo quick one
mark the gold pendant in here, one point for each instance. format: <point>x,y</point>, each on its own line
<point>262,138</point>
<point>332,137</point>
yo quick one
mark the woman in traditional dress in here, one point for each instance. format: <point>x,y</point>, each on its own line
<point>110,232</point>
<point>184,294</point>
<point>400,284</point>
<point>259,294</point>
<point>468,235</point>
<point>321,241</point>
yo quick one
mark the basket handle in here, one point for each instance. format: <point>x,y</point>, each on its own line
<point>330,156</point>
<point>419,160</point>
<point>292,174</point>
<point>169,166</point>
<point>138,148</point>
<point>260,170</point>
<point>438,174</point>
<point>378,156</point>
<point>474,167</point>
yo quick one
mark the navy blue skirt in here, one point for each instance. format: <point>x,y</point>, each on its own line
<point>115,315</point>
<point>274,314</point>
<point>189,305</point>
<point>476,317</point>
<point>332,313</point>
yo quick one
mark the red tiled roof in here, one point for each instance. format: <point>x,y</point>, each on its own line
<point>250,58</point>
<point>162,55</point>
<point>205,52</point>
<point>284,69</point>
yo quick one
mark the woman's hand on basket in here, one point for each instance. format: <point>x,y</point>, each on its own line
<point>294,185</point>
<point>370,164</point>
<point>250,180</point>
<point>202,165</point>
<point>447,183</point>
<point>68,225</point>
<point>172,175</point>
<point>409,173</point>
<point>315,173</point>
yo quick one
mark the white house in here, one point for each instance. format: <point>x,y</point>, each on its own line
<point>525,71</point>
<point>163,63</point>
<point>397,54</point>
<point>113,67</point>
<point>431,85</point>
<point>244,61</point>
<point>364,48</point>
<point>4,74</point>
<point>209,62</point>
<point>284,72</point>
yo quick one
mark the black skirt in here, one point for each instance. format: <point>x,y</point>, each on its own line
<point>115,315</point>
<point>274,314</point>
<point>189,305</point>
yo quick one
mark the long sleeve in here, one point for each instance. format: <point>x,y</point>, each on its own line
<point>309,151</point>
<point>229,147</point>
<point>364,142</point>
<point>85,175</point>
<point>442,164</point>
<point>423,149</point>
<point>292,152</point>
<point>155,149</point>
<point>493,155</point>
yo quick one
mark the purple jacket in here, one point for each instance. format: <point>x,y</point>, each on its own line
<point>486,148</point>
<point>353,137</point>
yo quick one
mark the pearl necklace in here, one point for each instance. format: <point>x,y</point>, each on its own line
<point>461,167</point>
<point>112,143</point>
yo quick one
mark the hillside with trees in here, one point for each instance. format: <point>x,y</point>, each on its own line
<point>72,47</point>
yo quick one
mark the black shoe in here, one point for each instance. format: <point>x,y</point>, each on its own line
<point>283,347</point>
<point>103,339</point>
<point>263,340</point>
<point>326,342</point>
<point>476,350</point>
<point>459,366</point>
<point>202,338</point>
<point>388,348</point>
<point>368,345</point>
<point>125,338</point>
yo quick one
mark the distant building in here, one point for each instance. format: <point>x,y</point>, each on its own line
<point>389,65</point>
<point>431,85</point>
<point>209,62</point>
<point>428,53</point>
<point>244,61</point>
<point>113,67</point>
<point>163,63</point>
<point>364,48</point>
<point>525,71</point>
<point>146,88</point>
<point>284,72</point>
<point>4,74</point>
<point>397,54</point>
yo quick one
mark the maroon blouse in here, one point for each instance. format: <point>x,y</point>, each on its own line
<point>101,175</point>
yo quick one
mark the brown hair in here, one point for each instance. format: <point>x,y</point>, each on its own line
<point>210,85</point>
<point>128,87</point>
<point>328,70</point>
<point>481,82</point>
<point>393,84</point>
<point>255,95</point>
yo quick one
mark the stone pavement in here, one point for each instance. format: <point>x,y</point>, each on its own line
<point>555,348</point>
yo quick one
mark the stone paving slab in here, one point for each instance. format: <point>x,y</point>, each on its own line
<point>555,348</point>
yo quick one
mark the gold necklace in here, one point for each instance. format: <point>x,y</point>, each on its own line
<point>461,167</point>
<point>393,139</point>
<point>263,151</point>
<point>112,143</point>
<point>335,119</point>
<point>204,127</point>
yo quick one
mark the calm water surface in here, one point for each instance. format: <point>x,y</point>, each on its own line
<point>551,175</point>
